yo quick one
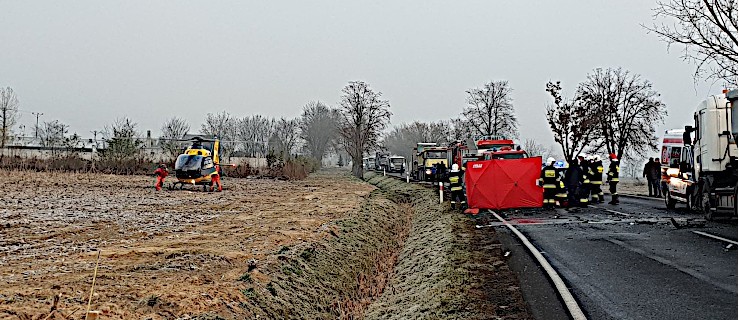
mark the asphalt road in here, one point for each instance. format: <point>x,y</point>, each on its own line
<point>635,264</point>
<point>630,261</point>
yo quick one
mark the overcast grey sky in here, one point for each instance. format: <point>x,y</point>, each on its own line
<point>86,63</point>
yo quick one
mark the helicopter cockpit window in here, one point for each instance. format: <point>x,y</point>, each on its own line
<point>188,162</point>
<point>207,163</point>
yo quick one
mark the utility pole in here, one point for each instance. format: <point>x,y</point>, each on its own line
<point>95,137</point>
<point>37,114</point>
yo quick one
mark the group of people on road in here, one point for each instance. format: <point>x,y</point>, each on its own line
<point>653,173</point>
<point>579,182</point>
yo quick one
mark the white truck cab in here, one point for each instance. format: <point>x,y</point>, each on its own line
<point>705,177</point>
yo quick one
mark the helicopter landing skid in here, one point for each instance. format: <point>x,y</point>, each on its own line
<point>181,186</point>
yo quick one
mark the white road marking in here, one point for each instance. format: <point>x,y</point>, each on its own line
<point>706,234</point>
<point>564,292</point>
<point>641,197</point>
<point>611,211</point>
<point>694,273</point>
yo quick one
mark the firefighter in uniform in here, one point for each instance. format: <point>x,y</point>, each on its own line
<point>596,180</point>
<point>613,170</point>
<point>455,186</point>
<point>550,181</point>
<point>561,195</point>
<point>584,181</point>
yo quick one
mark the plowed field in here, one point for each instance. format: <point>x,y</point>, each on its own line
<point>163,255</point>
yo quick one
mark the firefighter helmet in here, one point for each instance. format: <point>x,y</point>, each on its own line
<point>550,161</point>
<point>455,167</point>
<point>613,156</point>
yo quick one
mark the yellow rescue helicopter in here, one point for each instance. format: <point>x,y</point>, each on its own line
<point>199,165</point>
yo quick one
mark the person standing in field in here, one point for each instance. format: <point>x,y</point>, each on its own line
<point>161,172</point>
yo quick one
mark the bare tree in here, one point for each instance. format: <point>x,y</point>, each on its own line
<point>254,133</point>
<point>173,130</point>
<point>708,31</point>
<point>286,135</point>
<point>51,135</point>
<point>363,116</point>
<point>628,110</point>
<point>459,129</point>
<point>573,125</point>
<point>8,113</point>
<point>54,135</point>
<point>490,110</point>
<point>223,126</point>
<point>318,128</point>
<point>404,137</point>
<point>536,149</point>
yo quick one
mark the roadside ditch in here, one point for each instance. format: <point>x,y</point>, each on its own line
<point>401,256</point>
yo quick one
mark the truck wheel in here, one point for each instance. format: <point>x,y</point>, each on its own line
<point>669,201</point>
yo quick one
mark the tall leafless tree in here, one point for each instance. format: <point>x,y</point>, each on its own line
<point>223,126</point>
<point>286,136</point>
<point>318,128</point>
<point>573,125</point>
<point>490,110</point>
<point>254,133</point>
<point>363,116</point>
<point>8,113</point>
<point>628,110</point>
<point>172,131</point>
<point>707,29</point>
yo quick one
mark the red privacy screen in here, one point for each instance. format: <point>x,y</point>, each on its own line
<point>504,183</point>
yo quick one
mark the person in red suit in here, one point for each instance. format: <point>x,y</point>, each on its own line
<point>161,173</point>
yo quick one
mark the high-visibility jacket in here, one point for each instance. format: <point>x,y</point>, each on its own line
<point>455,181</point>
<point>613,170</point>
<point>586,171</point>
<point>549,177</point>
<point>596,172</point>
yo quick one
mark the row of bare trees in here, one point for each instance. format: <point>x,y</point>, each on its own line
<point>488,111</point>
<point>613,111</point>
